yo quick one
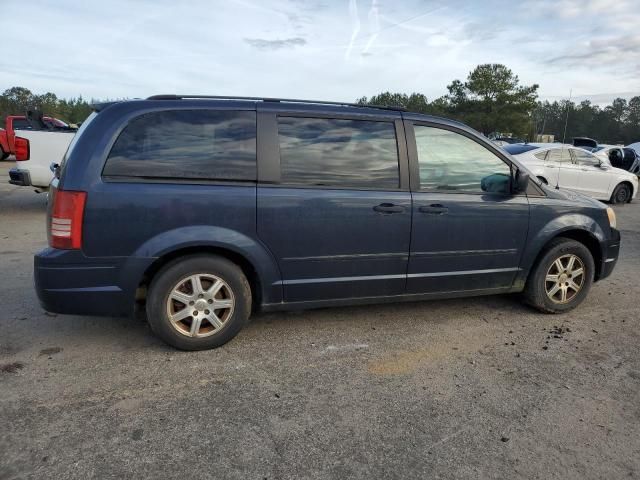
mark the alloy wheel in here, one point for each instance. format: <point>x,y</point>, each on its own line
<point>200,305</point>
<point>565,278</point>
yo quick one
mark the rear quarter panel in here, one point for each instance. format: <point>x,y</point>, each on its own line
<point>134,223</point>
<point>140,222</point>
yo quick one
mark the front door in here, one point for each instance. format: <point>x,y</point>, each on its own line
<point>567,174</point>
<point>594,181</point>
<point>468,229</point>
<point>338,218</point>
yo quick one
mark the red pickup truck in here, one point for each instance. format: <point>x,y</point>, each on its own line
<point>20,122</point>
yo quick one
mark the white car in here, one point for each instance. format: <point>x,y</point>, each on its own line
<point>576,169</point>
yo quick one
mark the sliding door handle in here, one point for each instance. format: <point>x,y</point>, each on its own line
<point>388,208</point>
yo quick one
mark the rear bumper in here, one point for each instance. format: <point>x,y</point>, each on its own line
<point>67,282</point>
<point>610,252</point>
<point>19,177</point>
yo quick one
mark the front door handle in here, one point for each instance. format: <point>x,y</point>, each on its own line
<point>434,209</point>
<point>389,208</point>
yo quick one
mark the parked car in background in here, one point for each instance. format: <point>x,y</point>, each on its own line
<point>635,147</point>
<point>624,158</point>
<point>202,210</point>
<point>36,141</point>
<point>576,169</point>
<point>32,121</point>
<point>5,151</point>
<point>587,143</point>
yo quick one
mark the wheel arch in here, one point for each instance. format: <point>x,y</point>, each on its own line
<point>627,183</point>
<point>585,237</point>
<point>247,267</point>
<point>582,226</point>
<point>256,262</point>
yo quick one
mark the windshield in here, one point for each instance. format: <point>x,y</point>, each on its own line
<point>59,123</point>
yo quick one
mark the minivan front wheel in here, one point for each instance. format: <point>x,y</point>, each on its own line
<point>198,302</point>
<point>561,279</point>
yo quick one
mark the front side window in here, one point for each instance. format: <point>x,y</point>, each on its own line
<point>186,144</point>
<point>584,158</point>
<point>337,152</point>
<point>559,155</point>
<point>449,161</point>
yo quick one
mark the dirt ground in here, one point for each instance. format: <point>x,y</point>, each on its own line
<point>472,388</point>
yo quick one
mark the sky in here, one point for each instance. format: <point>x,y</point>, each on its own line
<point>317,49</point>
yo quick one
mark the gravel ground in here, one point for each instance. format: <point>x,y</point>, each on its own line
<point>471,388</point>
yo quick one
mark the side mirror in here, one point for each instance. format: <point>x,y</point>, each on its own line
<point>603,166</point>
<point>521,181</point>
<point>55,168</point>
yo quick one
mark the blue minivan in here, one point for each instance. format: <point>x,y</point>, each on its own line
<point>200,210</point>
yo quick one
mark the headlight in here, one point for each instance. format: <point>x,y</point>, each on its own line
<point>612,217</point>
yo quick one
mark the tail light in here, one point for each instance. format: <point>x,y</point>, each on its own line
<point>65,230</point>
<point>21,146</point>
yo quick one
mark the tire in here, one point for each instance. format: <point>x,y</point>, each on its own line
<point>3,155</point>
<point>621,194</point>
<point>210,327</point>
<point>538,289</point>
<point>543,180</point>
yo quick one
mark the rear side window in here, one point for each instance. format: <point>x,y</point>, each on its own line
<point>186,144</point>
<point>337,152</point>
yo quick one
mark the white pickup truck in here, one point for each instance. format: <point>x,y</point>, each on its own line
<point>36,148</point>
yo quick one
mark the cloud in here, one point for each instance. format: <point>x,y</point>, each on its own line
<point>620,53</point>
<point>338,52</point>
<point>263,44</point>
<point>570,9</point>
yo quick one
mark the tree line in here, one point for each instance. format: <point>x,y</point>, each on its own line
<point>491,99</point>
<point>17,100</point>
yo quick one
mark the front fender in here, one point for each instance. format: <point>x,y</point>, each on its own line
<point>206,236</point>
<point>545,225</point>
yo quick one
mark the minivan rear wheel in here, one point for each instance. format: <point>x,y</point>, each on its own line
<point>562,278</point>
<point>198,302</point>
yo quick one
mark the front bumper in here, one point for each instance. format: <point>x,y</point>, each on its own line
<point>610,252</point>
<point>19,177</point>
<point>68,282</point>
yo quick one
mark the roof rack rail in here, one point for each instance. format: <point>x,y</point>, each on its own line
<point>275,100</point>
